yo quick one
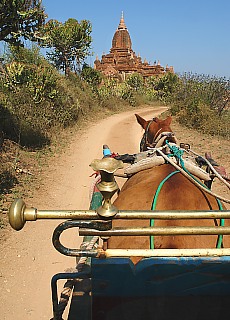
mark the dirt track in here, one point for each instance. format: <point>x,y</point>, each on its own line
<point>28,259</point>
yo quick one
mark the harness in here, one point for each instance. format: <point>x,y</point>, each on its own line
<point>144,140</point>
<point>158,138</point>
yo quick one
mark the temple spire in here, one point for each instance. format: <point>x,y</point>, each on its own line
<point>122,22</point>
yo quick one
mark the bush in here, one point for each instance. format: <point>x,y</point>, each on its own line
<point>200,102</point>
<point>135,81</point>
<point>113,89</point>
<point>35,98</point>
<point>91,76</point>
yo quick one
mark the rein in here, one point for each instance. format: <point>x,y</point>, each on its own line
<point>178,153</point>
<point>154,203</point>
<point>219,243</point>
<point>200,186</point>
<point>144,141</point>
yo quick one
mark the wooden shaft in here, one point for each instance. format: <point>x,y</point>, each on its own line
<point>166,252</point>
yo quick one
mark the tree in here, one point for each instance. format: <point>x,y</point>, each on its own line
<point>70,43</point>
<point>91,76</point>
<point>20,19</point>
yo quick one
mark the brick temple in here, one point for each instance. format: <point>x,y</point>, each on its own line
<point>122,60</point>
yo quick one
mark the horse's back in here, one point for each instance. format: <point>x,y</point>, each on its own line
<point>176,193</point>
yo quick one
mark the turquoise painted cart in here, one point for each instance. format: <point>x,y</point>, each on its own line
<point>161,288</point>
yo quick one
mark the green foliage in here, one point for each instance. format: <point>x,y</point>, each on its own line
<point>20,19</point>
<point>29,55</point>
<point>14,75</point>
<point>200,89</point>
<point>135,81</point>
<point>28,68</point>
<point>111,88</point>
<point>70,43</point>
<point>150,94</point>
<point>91,76</point>
<point>202,102</point>
<point>35,98</point>
<point>199,101</point>
<point>163,86</point>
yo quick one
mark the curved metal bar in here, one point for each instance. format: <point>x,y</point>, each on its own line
<point>98,225</point>
<point>63,276</point>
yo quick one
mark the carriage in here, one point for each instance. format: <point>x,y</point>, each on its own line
<point>147,255</point>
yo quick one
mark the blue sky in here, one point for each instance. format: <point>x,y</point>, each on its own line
<point>191,35</point>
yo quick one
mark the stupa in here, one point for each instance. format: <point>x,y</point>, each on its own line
<point>122,60</point>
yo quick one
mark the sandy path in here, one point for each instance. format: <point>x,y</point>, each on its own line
<point>28,259</point>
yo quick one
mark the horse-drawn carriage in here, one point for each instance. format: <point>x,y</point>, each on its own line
<point>160,251</point>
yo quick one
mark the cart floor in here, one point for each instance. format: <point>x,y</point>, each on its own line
<point>161,288</point>
<point>162,308</point>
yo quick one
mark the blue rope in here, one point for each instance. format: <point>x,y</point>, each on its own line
<point>178,153</point>
<point>220,236</point>
<point>154,203</point>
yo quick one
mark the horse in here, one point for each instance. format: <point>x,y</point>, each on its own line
<point>177,193</point>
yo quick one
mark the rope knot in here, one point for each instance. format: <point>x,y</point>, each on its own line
<point>175,152</point>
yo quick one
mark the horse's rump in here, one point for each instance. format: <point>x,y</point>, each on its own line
<point>177,193</point>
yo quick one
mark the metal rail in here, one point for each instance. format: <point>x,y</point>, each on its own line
<point>91,223</point>
<point>156,231</point>
<point>19,214</point>
<point>54,289</point>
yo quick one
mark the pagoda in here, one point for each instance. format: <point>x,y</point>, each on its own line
<point>122,60</point>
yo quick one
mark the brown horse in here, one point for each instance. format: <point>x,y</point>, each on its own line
<point>177,193</point>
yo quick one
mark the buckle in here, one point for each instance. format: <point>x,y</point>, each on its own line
<point>185,146</point>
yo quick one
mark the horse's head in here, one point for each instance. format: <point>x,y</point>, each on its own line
<point>156,132</point>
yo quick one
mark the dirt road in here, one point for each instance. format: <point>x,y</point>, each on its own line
<point>28,259</point>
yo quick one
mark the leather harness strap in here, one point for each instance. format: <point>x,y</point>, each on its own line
<point>159,136</point>
<point>144,140</point>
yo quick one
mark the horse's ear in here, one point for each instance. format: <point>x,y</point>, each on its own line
<point>168,121</point>
<point>141,121</point>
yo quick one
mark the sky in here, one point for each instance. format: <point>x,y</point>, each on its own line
<point>190,35</point>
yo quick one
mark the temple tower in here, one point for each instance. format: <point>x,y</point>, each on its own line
<point>122,60</point>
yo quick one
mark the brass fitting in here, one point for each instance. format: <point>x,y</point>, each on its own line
<point>19,214</point>
<point>108,185</point>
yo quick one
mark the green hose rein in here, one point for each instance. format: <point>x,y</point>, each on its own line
<point>178,153</point>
